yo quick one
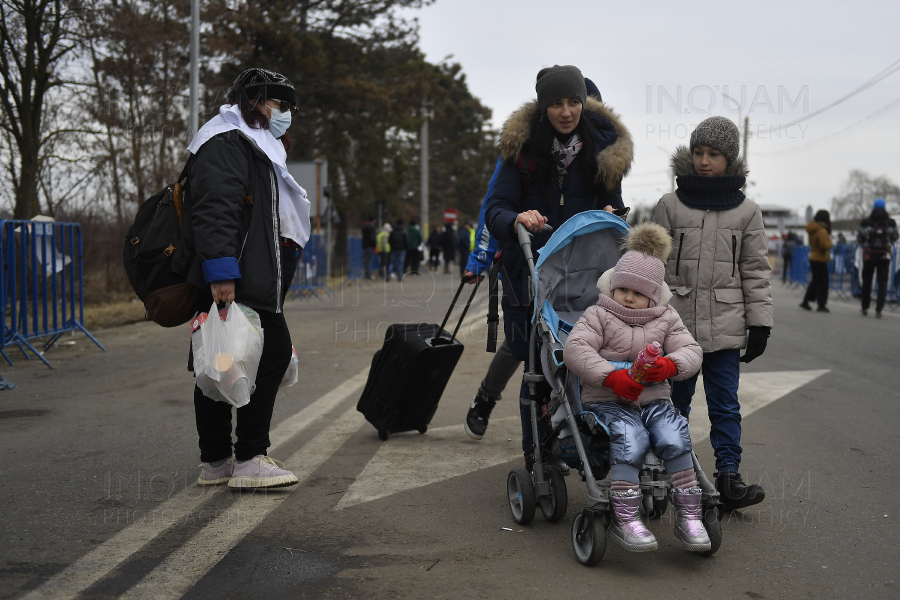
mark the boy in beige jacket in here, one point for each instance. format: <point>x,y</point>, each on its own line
<point>719,275</point>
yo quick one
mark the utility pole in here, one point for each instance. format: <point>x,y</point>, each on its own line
<point>195,65</point>
<point>423,207</point>
<point>746,136</point>
<point>318,195</point>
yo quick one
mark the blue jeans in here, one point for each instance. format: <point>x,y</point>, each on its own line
<point>397,258</point>
<point>721,377</point>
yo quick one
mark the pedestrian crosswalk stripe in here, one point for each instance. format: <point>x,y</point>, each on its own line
<point>448,452</point>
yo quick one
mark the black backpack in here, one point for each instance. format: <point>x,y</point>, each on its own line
<point>879,239</point>
<point>150,244</point>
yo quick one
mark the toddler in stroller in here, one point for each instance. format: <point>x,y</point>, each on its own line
<point>631,312</point>
<point>617,308</point>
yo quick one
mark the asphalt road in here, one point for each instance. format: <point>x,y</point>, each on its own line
<point>99,460</point>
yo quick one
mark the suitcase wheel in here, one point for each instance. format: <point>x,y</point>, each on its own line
<point>423,428</point>
<point>383,435</point>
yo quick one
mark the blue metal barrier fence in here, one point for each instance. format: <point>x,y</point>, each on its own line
<point>311,276</point>
<point>845,272</point>
<point>42,284</point>
<point>356,260</point>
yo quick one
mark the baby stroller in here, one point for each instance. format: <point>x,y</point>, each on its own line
<point>565,278</point>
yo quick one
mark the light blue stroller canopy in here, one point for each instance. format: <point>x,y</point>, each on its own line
<point>570,263</point>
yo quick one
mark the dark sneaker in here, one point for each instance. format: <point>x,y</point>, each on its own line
<point>735,494</point>
<point>878,314</point>
<point>864,312</point>
<point>805,306</point>
<point>822,309</point>
<point>479,413</point>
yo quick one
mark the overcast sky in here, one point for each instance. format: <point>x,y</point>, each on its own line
<point>789,58</point>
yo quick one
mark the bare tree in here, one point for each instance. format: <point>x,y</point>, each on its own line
<point>37,39</point>
<point>859,193</point>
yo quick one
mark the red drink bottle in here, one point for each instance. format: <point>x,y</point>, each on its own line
<point>644,361</point>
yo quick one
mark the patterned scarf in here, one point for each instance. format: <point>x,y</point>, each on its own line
<point>564,155</point>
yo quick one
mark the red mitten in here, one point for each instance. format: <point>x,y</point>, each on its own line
<point>623,385</point>
<point>661,370</point>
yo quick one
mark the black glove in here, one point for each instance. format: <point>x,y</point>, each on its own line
<point>756,344</point>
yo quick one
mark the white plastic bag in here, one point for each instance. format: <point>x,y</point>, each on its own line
<point>227,353</point>
<point>292,374</point>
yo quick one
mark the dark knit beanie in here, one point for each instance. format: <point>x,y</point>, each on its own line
<point>719,133</point>
<point>592,89</point>
<point>262,84</point>
<point>558,82</point>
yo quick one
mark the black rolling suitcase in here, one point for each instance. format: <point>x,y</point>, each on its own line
<point>410,372</point>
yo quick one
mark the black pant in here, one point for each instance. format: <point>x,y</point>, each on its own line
<point>253,419</point>
<point>818,288</point>
<point>869,267</point>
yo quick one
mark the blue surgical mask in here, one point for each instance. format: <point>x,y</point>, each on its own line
<point>279,122</point>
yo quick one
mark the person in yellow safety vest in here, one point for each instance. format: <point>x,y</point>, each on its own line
<point>465,243</point>
<point>383,248</point>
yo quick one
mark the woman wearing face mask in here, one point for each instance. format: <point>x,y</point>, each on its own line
<point>245,223</point>
<point>562,154</point>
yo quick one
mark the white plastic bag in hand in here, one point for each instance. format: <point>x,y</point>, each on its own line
<point>230,351</point>
<point>293,371</point>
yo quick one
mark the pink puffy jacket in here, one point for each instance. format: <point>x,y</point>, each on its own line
<point>608,331</point>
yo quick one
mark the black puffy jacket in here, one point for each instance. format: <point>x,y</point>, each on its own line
<point>231,226</point>
<point>511,195</point>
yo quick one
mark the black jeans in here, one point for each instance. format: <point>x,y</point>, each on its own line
<point>818,288</point>
<point>253,420</point>
<point>869,267</point>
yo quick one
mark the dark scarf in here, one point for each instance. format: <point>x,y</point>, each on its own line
<point>711,193</point>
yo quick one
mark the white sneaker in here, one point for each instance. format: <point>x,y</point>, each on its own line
<point>261,472</point>
<point>210,475</point>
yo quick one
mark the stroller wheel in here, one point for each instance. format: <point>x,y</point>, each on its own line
<point>588,539</point>
<point>713,527</point>
<point>520,491</point>
<point>554,507</point>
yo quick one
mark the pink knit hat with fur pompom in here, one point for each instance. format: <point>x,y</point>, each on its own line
<point>643,267</point>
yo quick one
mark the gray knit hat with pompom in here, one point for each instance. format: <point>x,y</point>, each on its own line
<point>719,133</point>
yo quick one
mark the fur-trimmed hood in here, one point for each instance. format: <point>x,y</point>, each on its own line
<point>683,164</point>
<point>613,162</point>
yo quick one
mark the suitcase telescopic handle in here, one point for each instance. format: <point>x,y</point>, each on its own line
<point>459,290</point>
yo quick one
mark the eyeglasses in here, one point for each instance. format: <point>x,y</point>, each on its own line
<point>284,106</point>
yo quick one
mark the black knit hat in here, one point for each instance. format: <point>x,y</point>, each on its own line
<point>262,84</point>
<point>558,82</point>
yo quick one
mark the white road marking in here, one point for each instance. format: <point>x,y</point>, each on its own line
<point>412,461</point>
<point>756,391</point>
<point>182,569</point>
<point>409,461</point>
<point>98,563</point>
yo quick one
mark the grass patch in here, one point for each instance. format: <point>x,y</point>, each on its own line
<point>113,314</point>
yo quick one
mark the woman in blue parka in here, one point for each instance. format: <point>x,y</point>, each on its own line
<point>562,154</point>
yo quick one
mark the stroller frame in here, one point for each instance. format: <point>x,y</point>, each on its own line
<point>545,485</point>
